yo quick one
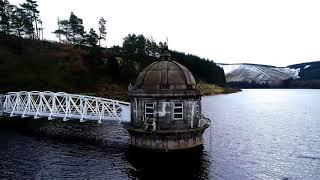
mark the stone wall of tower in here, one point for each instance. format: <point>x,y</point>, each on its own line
<point>163,112</point>
<point>166,141</point>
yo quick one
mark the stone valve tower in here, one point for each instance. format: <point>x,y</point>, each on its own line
<point>166,107</point>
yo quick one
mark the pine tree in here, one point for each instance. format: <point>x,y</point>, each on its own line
<point>72,29</point>
<point>20,23</point>
<point>64,30</point>
<point>134,45</point>
<point>31,15</point>
<point>77,29</point>
<point>92,38</point>
<point>102,30</point>
<point>6,11</point>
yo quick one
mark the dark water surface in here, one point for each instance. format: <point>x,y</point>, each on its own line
<point>256,134</point>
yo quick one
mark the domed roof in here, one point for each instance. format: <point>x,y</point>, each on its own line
<point>165,77</point>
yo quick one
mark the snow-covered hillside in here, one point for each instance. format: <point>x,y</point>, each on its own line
<point>258,73</point>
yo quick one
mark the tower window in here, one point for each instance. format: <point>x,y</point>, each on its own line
<point>178,110</point>
<point>149,109</point>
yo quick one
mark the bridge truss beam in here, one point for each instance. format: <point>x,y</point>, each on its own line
<point>63,106</point>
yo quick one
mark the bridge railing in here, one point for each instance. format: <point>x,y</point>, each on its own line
<point>64,106</point>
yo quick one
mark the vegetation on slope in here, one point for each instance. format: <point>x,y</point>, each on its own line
<point>309,76</point>
<point>78,64</point>
<point>39,65</point>
<point>36,65</point>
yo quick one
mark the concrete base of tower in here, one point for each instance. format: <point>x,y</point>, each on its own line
<point>166,140</point>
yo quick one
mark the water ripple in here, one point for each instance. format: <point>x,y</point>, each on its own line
<point>251,137</point>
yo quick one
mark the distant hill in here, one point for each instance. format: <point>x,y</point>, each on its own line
<point>308,71</point>
<point>260,74</point>
<point>304,75</point>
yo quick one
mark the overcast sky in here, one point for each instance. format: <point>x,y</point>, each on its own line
<point>273,32</point>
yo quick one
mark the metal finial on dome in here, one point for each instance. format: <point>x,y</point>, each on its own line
<point>164,52</point>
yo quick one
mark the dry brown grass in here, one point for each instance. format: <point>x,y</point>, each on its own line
<point>212,89</point>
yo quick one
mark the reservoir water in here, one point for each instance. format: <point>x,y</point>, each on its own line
<point>255,134</point>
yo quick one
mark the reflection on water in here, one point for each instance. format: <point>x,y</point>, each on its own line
<point>192,164</point>
<point>25,156</point>
<point>255,134</point>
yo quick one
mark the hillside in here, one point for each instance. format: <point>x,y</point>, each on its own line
<point>308,71</point>
<point>258,73</point>
<point>39,65</point>
<point>78,64</point>
<point>35,65</point>
<point>305,75</point>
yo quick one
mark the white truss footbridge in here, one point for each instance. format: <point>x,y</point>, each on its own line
<point>64,106</point>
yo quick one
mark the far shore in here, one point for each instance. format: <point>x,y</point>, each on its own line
<point>207,89</point>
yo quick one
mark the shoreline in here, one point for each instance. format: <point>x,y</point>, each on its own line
<point>207,89</point>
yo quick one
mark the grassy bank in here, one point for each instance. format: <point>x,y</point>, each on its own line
<point>207,89</point>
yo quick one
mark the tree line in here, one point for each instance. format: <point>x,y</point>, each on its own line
<point>138,51</point>
<point>135,53</point>
<point>72,31</point>
<point>24,21</point>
